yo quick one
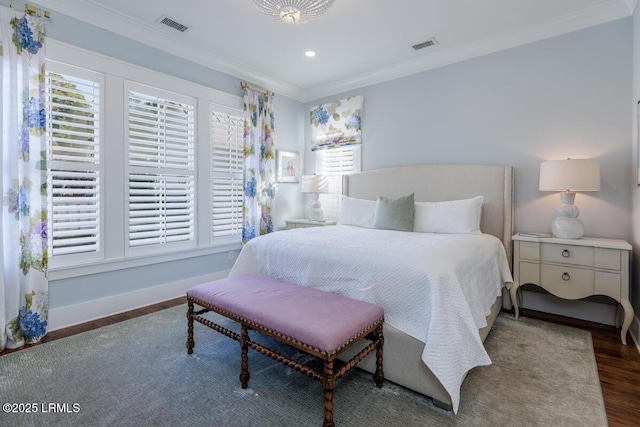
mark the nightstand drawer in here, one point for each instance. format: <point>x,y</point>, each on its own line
<point>567,282</point>
<point>566,254</point>
<point>529,273</point>
<point>529,250</point>
<point>609,284</point>
<point>609,259</point>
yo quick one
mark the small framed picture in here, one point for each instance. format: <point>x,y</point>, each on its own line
<point>288,166</point>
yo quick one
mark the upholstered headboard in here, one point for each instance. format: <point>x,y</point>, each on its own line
<point>436,182</point>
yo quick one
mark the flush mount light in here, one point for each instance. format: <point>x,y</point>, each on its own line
<point>310,53</point>
<point>293,11</point>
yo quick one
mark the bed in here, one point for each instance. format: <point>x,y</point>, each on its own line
<point>441,289</point>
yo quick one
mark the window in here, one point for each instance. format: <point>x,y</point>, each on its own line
<point>226,171</point>
<point>74,175</point>
<point>161,153</point>
<point>158,165</point>
<point>336,162</point>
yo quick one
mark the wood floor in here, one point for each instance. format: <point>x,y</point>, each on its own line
<point>618,365</point>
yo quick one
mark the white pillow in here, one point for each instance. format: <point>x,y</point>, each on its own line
<point>455,216</point>
<point>358,212</point>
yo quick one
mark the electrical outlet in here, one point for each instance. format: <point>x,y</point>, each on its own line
<point>232,254</point>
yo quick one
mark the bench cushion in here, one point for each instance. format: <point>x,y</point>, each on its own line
<point>319,319</point>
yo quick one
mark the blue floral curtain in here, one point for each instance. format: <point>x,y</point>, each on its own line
<point>336,124</point>
<point>24,289</point>
<point>259,164</point>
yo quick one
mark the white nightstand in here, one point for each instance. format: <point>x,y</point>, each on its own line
<point>305,223</point>
<point>574,269</point>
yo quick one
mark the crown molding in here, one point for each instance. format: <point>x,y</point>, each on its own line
<point>631,4</point>
<point>92,12</point>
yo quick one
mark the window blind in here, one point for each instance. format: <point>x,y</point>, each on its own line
<point>335,163</point>
<point>161,154</point>
<point>226,173</point>
<point>73,161</point>
<point>336,124</point>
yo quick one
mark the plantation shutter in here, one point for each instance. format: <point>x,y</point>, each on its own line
<point>335,163</point>
<point>226,171</point>
<point>73,159</point>
<point>161,153</point>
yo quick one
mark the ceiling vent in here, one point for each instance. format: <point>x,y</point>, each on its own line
<point>424,44</point>
<point>164,19</point>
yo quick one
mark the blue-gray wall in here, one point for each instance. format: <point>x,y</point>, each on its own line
<point>289,135</point>
<point>567,96</point>
<point>634,108</point>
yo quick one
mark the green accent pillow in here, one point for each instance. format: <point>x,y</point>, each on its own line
<point>394,214</point>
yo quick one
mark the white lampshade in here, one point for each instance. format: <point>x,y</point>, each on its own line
<point>315,184</point>
<point>570,175</point>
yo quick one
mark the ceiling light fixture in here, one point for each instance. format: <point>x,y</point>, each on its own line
<point>293,11</point>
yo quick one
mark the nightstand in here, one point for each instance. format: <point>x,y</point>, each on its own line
<point>574,269</point>
<point>305,223</point>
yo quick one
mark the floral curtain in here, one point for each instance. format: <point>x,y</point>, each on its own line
<point>336,124</point>
<point>259,164</point>
<point>24,289</point>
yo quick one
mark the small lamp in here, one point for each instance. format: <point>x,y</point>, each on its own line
<point>569,176</point>
<point>315,184</point>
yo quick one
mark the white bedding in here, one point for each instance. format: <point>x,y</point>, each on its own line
<point>438,288</point>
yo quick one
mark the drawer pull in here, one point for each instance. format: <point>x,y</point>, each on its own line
<point>566,277</point>
<point>566,253</point>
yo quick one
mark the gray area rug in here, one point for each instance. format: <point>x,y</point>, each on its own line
<point>138,373</point>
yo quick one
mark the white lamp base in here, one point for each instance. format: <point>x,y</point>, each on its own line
<point>567,228</point>
<point>567,225</point>
<point>315,209</point>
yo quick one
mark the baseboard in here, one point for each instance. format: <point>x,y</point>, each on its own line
<point>70,315</point>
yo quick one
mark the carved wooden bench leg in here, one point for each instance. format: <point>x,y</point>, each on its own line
<point>328,383</point>
<point>190,343</point>
<point>244,359</point>
<point>379,375</point>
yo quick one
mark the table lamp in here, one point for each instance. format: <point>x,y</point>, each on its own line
<point>569,176</point>
<point>315,184</point>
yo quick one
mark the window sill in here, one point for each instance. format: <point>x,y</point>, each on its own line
<point>67,270</point>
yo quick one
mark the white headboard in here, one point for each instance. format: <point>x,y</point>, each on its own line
<point>435,183</point>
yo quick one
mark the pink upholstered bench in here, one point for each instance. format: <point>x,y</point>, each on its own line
<point>316,322</point>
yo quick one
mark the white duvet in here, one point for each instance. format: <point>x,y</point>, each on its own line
<point>438,288</point>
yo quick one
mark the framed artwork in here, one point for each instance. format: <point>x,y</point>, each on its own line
<point>288,166</point>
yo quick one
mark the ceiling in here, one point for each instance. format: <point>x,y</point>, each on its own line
<point>358,42</point>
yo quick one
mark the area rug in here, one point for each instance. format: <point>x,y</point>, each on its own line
<point>138,373</point>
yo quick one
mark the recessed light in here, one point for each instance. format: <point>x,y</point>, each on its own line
<point>310,53</point>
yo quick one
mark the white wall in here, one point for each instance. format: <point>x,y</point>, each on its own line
<point>568,96</point>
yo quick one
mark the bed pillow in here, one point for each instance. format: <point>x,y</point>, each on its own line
<point>358,212</point>
<point>455,216</point>
<point>394,214</point>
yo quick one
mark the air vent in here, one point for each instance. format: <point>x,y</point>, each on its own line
<point>172,23</point>
<point>424,44</point>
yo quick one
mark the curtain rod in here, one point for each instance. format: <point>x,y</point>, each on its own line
<point>32,10</point>
<point>247,85</point>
